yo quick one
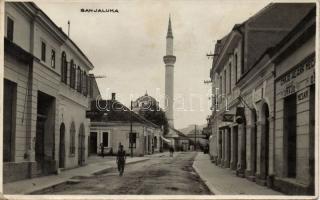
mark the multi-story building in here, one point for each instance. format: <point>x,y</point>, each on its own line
<point>45,95</point>
<point>294,132</point>
<point>244,77</point>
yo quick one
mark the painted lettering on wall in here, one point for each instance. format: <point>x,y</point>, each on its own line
<point>298,70</point>
<point>298,78</point>
<point>303,95</point>
<point>289,90</point>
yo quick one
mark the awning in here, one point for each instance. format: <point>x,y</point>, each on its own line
<point>166,140</point>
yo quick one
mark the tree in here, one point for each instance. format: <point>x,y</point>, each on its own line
<point>156,116</point>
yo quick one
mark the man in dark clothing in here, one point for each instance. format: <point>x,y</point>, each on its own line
<point>102,149</point>
<point>171,151</point>
<point>121,160</point>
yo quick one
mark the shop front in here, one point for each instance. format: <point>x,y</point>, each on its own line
<point>295,127</point>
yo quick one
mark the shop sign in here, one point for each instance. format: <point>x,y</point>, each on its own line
<point>300,69</point>
<point>227,118</point>
<point>299,78</point>
<point>289,89</point>
<point>303,95</point>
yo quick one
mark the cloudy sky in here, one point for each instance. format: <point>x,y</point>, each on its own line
<point>128,47</point>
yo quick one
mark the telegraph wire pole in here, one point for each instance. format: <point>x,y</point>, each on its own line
<point>68,28</point>
<point>130,134</point>
<point>195,137</point>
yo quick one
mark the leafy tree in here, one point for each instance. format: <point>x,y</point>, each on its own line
<point>156,116</point>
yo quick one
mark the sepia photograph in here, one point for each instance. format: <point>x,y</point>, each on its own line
<point>181,97</point>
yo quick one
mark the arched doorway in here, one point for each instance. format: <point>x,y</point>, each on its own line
<point>244,146</point>
<point>62,146</point>
<point>235,148</point>
<point>254,142</point>
<point>242,126</point>
<point>81,145</point>
<point>264,157</point>
<point>220,149</point>
<point>155,142</point>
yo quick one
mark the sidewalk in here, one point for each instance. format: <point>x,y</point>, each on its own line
<point>94,166</point>
<point>222,181</point>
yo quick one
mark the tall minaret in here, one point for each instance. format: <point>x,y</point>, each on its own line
<point>169,59</point>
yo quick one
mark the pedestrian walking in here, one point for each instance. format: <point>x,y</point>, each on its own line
<point>102,149</point>
<point>171,151</point>
<point>121,160</point>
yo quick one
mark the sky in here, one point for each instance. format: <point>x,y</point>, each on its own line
<point>127,47</point>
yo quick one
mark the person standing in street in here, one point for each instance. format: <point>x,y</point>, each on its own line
<point>171,151</point>
<point>121,160</point>
<point>102,149</point>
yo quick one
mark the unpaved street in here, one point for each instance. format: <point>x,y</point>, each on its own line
<point>161,175</point>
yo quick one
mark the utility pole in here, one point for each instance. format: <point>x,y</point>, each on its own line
<point>68,28</point>
<point>130,134</point>
<point>195,137</point>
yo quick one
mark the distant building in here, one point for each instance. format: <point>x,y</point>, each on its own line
<point>111,126</point>
<point>197,138</point>
<point>176,139</point>
<point>259,69</point>
<point>145,103</point>
<point>45,95</point>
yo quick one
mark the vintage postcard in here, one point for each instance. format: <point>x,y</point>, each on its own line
<point>164,99</point>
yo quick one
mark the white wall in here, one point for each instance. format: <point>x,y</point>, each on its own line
<point>21,34</point>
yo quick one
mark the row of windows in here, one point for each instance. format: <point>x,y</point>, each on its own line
<point>10,34</point>
<point>44,53</point>
<point>78,78</point>
<point>225,77</point>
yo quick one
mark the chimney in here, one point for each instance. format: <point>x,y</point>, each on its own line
<point>113,96</point>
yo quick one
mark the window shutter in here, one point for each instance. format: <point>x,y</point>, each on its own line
<point>71,76</point>
<point>91,87</point>
<point>87,84</point>
<point>74,77</point>
<point>84,83</point>
<point>43,51</point>
<point>10,29</point>
<point>81,78</point>
<point>70,73</point>
<point>66,71</point>
<point>63,70</point>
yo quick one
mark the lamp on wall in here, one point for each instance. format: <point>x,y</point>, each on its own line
<point>239,119</point>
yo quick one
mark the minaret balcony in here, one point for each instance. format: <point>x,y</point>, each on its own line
<point>169,59</point>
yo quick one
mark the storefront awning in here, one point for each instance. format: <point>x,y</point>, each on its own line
<point>166,140</point>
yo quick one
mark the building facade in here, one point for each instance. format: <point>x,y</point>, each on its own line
<point>245,101</point>
<point>45,95</point>
<point>294,158</point>
<point>112,125</point>
<point>176,139</point>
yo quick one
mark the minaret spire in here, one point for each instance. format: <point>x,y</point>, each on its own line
<point>169,60</point>
<point>169,33</point>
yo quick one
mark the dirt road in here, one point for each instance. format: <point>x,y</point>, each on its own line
<point>159,176</point>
